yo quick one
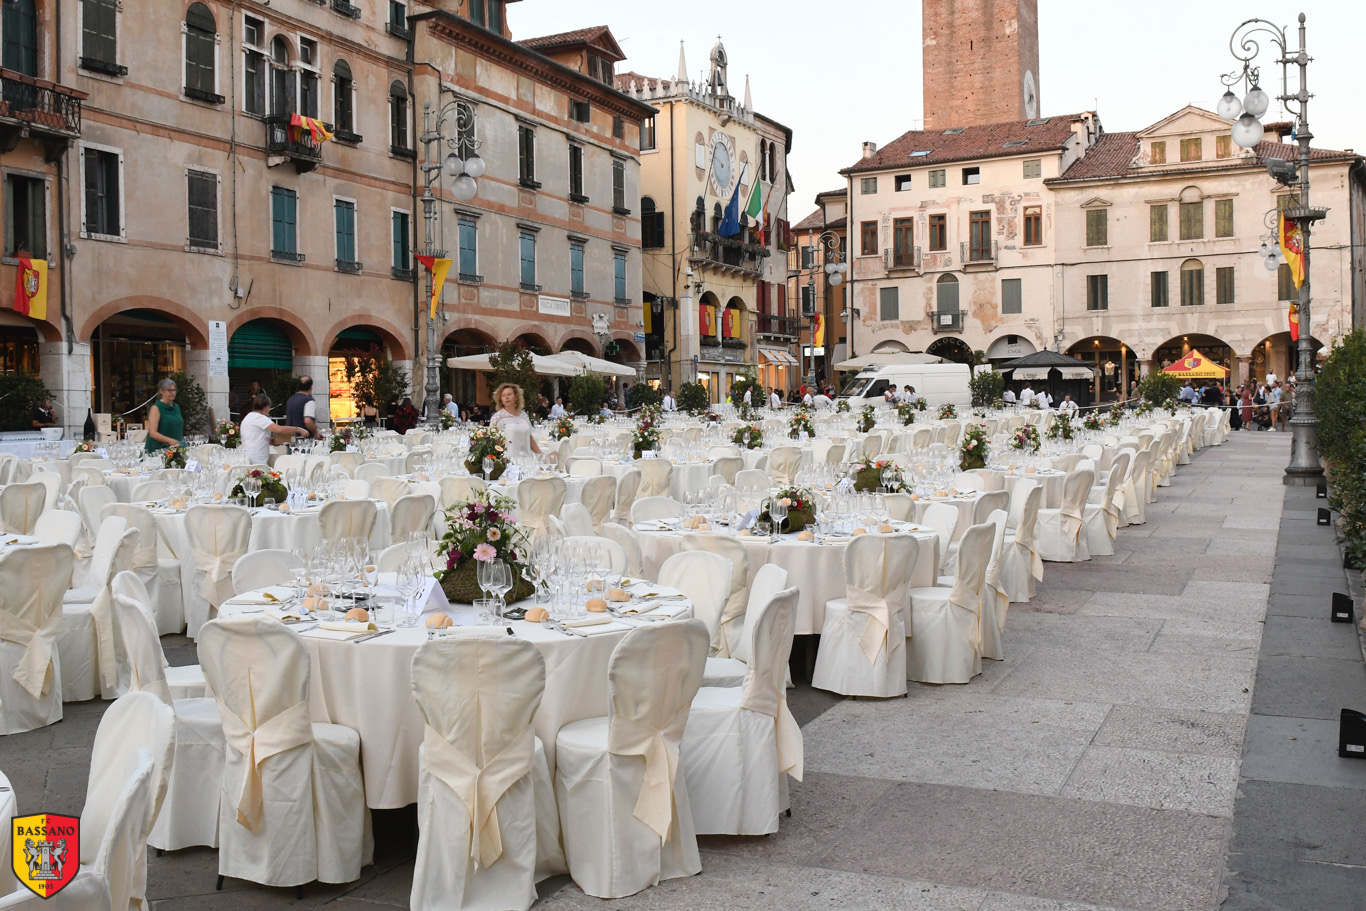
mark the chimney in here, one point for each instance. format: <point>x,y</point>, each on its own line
<point>869,149</point>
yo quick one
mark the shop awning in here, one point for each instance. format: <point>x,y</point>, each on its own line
<point>777,357</point>
<point>1195,365</point>
<point>1030,373</point>
<point>1077,373</point>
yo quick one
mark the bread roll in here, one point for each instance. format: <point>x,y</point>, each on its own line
<point>618,594</point>
<point>860,531</point>
<point>885,528</point>
<point>596,606</point>
<point>358,614</point>
<point>805,536</point>
<point>537,614</point>
<point>439,621</point>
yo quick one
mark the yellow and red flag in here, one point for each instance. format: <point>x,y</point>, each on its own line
<point>1292,245</point>
<point>30,288</point>
<point>818,331</point>
<point>47,851</point>
<point>439,267</point>
<point>1294,321</point>
<point>316,128</point>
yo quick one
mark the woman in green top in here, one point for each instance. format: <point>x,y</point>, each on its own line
<point>165,424</point>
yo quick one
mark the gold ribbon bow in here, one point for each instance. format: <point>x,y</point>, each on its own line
<point>285,731</point>
<point>480,789</point>
<point>33,672</point>
<point>659,748</point>
<point>215,568</point>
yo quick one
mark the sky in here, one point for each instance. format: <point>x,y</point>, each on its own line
<point>839,81</point>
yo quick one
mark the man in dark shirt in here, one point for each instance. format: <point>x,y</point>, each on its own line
<point>300,408</point>
<point>42,416</point>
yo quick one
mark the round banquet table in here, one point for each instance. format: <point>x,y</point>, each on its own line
<point>368,686</point>
<point>964,503</point>
<point>1051,481</point>
<point>817,570</point>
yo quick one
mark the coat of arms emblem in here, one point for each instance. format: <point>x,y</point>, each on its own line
<point>47,851</point>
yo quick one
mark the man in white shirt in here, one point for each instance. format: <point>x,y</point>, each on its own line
<point>1045,400</point>
<point>775,401</point>
<point>1026,396</point>
<point>450,407</point>
<point>670,403</point>
<point>557,410</point>
<point>821,401</point>
<point>259,431</point>
<point>1271,378</point>
<point>1068,406</point>
<point>1008,396</point>
<point>807,399</point>
<point>747,396</point>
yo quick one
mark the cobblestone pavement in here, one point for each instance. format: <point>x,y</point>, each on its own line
<point>1095,768</point>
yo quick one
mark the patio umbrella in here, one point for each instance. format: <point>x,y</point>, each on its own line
<point>886,358</point>
<point>586,363</point>
<point>544,365</point>
<point>1196,366</point>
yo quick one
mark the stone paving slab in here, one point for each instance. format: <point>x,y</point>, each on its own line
<point>1301,822</point>
<point>1156,779</point>
<point>1319,688</point>
<point>1299,751</point>
<point>1260,883</point>
<point>1198,733</point>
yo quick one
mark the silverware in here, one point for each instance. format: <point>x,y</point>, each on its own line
<point>559,627</point>
<point>367,638</point>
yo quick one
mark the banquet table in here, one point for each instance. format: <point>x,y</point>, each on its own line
<point>8,809</point>
<point>367,686</point>
<point>964,503</point>
<point>1051,480</point>
<point>26,449</point>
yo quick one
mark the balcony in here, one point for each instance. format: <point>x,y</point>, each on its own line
<point>349,266</point>
<point>622,302</point>
<point>947,320</point>
<point>723,351</point>
<point>295,145</point>
<point>579,295</point>
<point>781,326</point>
<point>39,109</point>
<point>403,275</point>
<point>349,10</point>
<point>977,256</point>
<point>903,260</point>
<point>727,255</point>
<point>399,30</point>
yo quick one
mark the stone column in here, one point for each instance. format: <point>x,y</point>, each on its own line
<point>316,367</point>
<point>416,381</point>
<point>68,378</point>
<point>1244,370</point>
<point>215,387</point>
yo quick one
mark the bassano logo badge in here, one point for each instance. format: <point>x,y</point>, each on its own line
<point>47,851</point>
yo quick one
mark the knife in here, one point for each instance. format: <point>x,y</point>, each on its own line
<point>367,638</point>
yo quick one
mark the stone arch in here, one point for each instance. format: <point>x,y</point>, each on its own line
<point>46,331</point>
<point>195,329</point>
<point>300,336</point>
<point>951,348</point>
<point>391,335</point>
<point>628,349</point>
<point>580,341</point>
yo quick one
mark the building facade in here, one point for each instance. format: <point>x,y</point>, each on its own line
<point>981,62</point>
<point>818,239</point>
<point>717,304</point>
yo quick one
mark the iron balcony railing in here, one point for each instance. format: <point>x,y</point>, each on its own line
<point>44,106</point>
<point>785,326</point>
<point>718,251</point>
<point>977,254</point>
<point>296,144</point>
<point>903,259</point>
<point>948,320</point>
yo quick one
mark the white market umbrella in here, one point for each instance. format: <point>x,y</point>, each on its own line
<point>888,358</point>
<point>586,363</point>
<point>543,364</point>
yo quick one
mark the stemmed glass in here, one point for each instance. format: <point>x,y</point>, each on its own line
<point>409,584</point>
<point>252,488</point>
<point>500,583</point>
<point>487,465</point>
<point>777,511</point>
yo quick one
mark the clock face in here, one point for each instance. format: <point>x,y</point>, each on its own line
<point>722,164</point>
<point>1031,96</point>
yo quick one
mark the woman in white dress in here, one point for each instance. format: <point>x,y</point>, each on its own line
<point>512,420</point>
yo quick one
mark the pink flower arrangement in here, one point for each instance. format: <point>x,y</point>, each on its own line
<point>485,553</point>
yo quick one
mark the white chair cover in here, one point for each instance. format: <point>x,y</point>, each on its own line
<point>655,476</point>
<point>751,479</point>
<point>150,491</point>
<point>411,513</point>
<point>372,471</point>
<point>538,498</point>
<point>623,536</point>
<point>20,507</point>
<point>1021,565</point>
<point>783,462</point>
<point>48,475</point>
<point>93,499</point>
<point>459,489</point>
<point>900,507</point>
<point>627,486</point>
<point>988,503</point>
<point>89,642</point>
<point>624,806</point>
<point>33,580</point>
<point>347,461</point>
<point>218,537</point>
<point>263,568</point>
<point>8,461</point>
<point>705,578</point>
<point>389,490</point>
<point>995,600</point>
<point>58,526</point>
<point>835,454</point>
<point>162,577</point>
<point>599,496</point>
<point>726,466</point>
<point>575,520</point>
<point>1060,531</point>
<point>607,550</point>
<point>647,509</point>
<point>946,623</point>
<point>585,468</point>
<point>726,637</point>
<point>348,519</point>
<point>943,518</point>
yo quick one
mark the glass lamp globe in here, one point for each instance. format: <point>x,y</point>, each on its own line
<point>1256,101</point>
<point>831,268</point>
<point>465,188</point>
<point>1229,106</point>
<point>1247,131</point>
<point>1271,264</point>
<point>1265,250</point>
<point>474,166</point>
<point>453,165</point>
<point>836,279</point>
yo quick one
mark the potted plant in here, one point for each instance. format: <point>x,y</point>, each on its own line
<point>229,434</point>
<point>645,436</point>
<point>972,452</point>
<point>867,419</point>
<point>490,442</point>
<point>479,531</point>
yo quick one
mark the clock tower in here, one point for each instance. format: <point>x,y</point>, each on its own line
<point>981,61</point>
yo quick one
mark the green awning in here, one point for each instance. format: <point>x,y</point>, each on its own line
<point>260,345</point>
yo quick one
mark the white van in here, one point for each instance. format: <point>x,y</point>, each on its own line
<point>938,384</point>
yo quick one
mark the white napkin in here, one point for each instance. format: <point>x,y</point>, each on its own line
<point>281,614</point>
<point>595,619</point>
<point>598,625</point>
<point>349,626</point>
<point>664,608</point>
<point>318,632</point>
<point>260,597</point>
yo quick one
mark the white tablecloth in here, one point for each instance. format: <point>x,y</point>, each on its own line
<point>25,449</point>
<point>1052,486</point>
<point>964,505</point>
<point>9,807</point>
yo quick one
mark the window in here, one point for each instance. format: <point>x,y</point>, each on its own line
<point>772,161</point>
<point>398,16</point>
<point>868,238</point>
<point>528,257</point>
<point>1223,218</point>
<point>651,225</point>
<point>1285,284</point>
<point>619,187</point>
<point>648,138</point>
<point>201,53</point>
<point>398,116</point>
<point>26,215</point>
<point>938,178</point>
<point>763,159</point>
<point>600,69</point>
<point>103,215</point>
<point>1223,146</point>
<point>469,249</point>
<point>19,28</point>
<point>979,236</point>
<point>1159,152</point>
<point>1191,149</point>
<point>619,276</point>
<point>488,13</point>
<point>343,99</point>
<point>401,262</point>
<point>902,182</point>
<point>253,67</point>
<point>344,216</point>
<point>284,226</point>
<point>201,195</point>
<point>1192,283</point>
<point>99,37</point>
<point>939,233</point>
<point>526,153</point>
<point>1223,285</point>
<point>576,271</point>
<point>1157,223</point>
<point>1097,227</point>
<point>1033,167</point>
<point>579,111</point>
<point>946,297</point>
<point>889,304</point>
<point>576,174</point>
<point>1192,220</point>
<point>281,78</point>
<point>1011,300</point>
<point>808,257</point>
<point>1097,292</point>
<point>903,241</point>
<point>1033,226</point>
<point>867,186</point>
<point>972,176</point>
<point>1160,294</point>
<point>618,128</point>
<point>309,90</point>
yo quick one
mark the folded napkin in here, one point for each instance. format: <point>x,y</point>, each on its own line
<point>590,620</point>
<point>598,625</point>
<point>318,632</point>
<point>265,596</point>
<point>670,608</point>
<point>284,616</point>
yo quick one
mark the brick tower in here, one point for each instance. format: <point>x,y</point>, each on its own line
<point>981,61</point>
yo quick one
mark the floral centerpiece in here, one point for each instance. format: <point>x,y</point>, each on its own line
<point>563,428</point>
<point>229,434</point>
<point>1093,420</point>
<point>173,457</point>
<point>748,436</point>
<point>867,419</point>
<point>921,404</point>
<point>998,403</point>
<point>745,412</point>
<point>711,417</point>
<point>867,475</point>
<point>906,411</point>
<point>645,436</point>
<point>841,406</point>
<point>490,442</point>
<point>272,486</point>
<point>653,412</point>
<point>972,452</point>
<point>801,421</point>
<point>597,418</point>
<point>801,508</point>
<point>1062,427</point>
<point>444,419</point>
<point>947,412</point>
<point>1026,439</point>
<point>342,437</point>
<point>480,531</point>
<point>85,446</point>
<point>1143,408</point>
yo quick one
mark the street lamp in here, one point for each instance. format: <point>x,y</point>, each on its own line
<point>835,269</point>
<point>464,166</point>
<point>1247,131</point>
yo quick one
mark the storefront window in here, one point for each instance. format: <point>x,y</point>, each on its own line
<point>133,352</point>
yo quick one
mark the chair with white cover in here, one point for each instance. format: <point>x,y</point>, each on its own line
<point>52,484</point>
<point>623,536</point>
<point>354,490</point>
<point>392,558</point>
<point>599,496</point>
<point>92,500</point>
<point>705,578</point>
<point>71,500</point>
<point>647,509</point>
<point>94,477</point>
<point>783,462</point>
<point>994,479</point>
<point>741,742</point>
<point>369,471</point>
<point>943,519</point>
<point>347,461</point>
<point>726,638</point>
<point>348,519</point>
<point>1105,508</point>
<point>20,507</point>
<point>767,581</point>
<point>1136,487</point>
<point>628,485</point>
<point>655,477</point>
<point>575,520</point>
<point>218,537</point>
<point>752,479</point>
<point>33,580</point>
<point>460,489</point>
<point>88,643</point>
<point>289,462</point>
<point>58,526</point>
<point>967,480</point>
<point>410,514</point>
<point>995,601</point>
<point>162,577</point>
<point>389,489</point>
<point>538,498</point>
<point>1021,565</point>
<point>727,466</point>
<point>624,805</point>
<point>189,814</point>
<point>1061,537</point>
<point>863,637</point>
<point>292,801</point>
<point>150,492</point>
<point>603,550</point>
<point>483,780</point>
<point>946,633</point>
<point>900,506</point>
<point>834,455</point>
<point>585,468</point>
<point>872,445</point>
<point>988,503</point>
<point>264,568</point>
<point>8,462</point>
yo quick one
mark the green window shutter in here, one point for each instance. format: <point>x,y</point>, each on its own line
<point>260,345</point>
<point>1011,300</point>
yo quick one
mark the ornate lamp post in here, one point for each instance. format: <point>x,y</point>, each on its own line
<point>463,164</point>
<point>1304,467</point>
<point>835,268</point>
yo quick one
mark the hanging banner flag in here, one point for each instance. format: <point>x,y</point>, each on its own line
<point>438,268</point>
<point>30,288</point>
<point>706,319</point>
<point>730,221</point>
<point>818,331</point>
<point>1294,321</point>
<point>316,128</point>
<point>1292,245</point>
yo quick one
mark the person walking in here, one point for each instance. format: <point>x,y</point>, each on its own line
<point>301,409</point>
<point>165,423</point>
<point>511,419</point>
<point>1245,407</point>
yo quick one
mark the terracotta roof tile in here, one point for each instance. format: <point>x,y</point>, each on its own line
<point>967,143</point>
<point>1112,153</point>
<point>811,222</point>
<point>593,35</point>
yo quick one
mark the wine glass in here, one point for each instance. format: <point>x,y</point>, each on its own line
<point>777,511</point>
<point>488,466</point>
<point>484,576</point>
<point>409,584</point>
<point>500,583</point>
<point>252,488</point>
